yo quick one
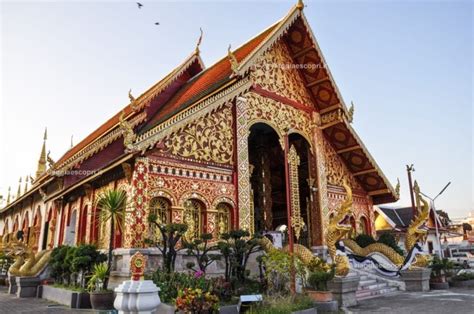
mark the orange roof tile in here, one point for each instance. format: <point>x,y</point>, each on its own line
<point>205,80</point>
<point>109,124</point>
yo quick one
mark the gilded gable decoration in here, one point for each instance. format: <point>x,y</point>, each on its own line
<point>209,138</point>
<point>275,71</point>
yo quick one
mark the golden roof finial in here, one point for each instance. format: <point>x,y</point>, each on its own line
<point>199,42</point>
<point>350,113</point>
<point>9,195</point>
<point>300,5</point>
<point>133,101</point>
<point>233,60</point>
<point>397,188</point>
<point>42,160</point>
<point>18,193</point>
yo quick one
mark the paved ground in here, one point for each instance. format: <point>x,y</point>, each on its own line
<point>452,301</point>
<point>10,304</point>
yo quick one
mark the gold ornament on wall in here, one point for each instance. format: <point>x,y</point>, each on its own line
<point>207,139</point>
<point>297,222</point>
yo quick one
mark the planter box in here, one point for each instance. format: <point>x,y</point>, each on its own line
<point>439,285</point>
<point>417,279</point>
<point>313,310</point>
<point>462,283</point>
<point>73,299</point>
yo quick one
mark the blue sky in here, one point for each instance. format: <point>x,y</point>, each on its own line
<point>406,65</point>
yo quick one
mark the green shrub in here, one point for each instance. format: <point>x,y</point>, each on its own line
<point>282,305</point>
<point>318,280</point>
<point>364,240</point>
<point>170,283</point>
<point>389,240</point>
<point>439,267</point>
<point>463,277</point>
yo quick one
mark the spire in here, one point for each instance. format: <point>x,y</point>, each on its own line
<point>300,5</point>
<point>72,142</point>
<point>199,42</point>
<point>42,160</point>
<point>26,184</point>
<point>18,193</point>
<point>8,195</point>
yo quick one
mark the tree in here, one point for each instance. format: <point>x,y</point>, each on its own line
<point>466,227</point>
<point>236,248</point>
<point>84,259</point>
<point>199,248</point>
<point>167,244</point>
<point>112,205</point>
<point>444,218</point>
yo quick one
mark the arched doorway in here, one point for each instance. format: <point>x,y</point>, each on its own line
<point>364,226</point>
<point>267,178</point>
<point>34,237</point>
<point>71,229</point>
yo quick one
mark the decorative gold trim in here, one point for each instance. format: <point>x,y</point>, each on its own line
<point>297,222</point>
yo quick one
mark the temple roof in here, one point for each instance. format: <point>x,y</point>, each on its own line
<point>194,83</point>
<point>142,101</point>
<point>208,80</point>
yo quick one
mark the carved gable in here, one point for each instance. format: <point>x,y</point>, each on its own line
<point>275,71</point>
<point>206,139</point>
<point>336,170</point>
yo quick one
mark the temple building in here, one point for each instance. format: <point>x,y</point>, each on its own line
<point>261,140</point>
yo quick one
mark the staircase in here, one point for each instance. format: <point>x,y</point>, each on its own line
<point>372,286</point>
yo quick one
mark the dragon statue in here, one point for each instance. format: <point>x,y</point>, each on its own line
<point>337,230</point>
<point>27,263</point>
<point>300,251</point>
<point>416,234</point>
<point>415,237</point>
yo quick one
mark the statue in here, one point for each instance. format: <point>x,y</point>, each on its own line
<point>338,230</point>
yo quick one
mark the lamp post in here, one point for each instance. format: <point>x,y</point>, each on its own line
<point>441,254</point>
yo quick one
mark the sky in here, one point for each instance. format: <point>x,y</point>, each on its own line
<point>407,66</point>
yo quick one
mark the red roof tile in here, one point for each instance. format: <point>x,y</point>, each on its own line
<point>206,79</point>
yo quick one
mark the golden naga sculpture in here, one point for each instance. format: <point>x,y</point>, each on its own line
<point>27,262</point>
<point>300,251</point>
<point>416,234</point>
<point>381,248</point>
<point>337,230</point>
<point>128,135</point>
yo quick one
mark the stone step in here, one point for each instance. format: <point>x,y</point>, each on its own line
<point>368,294</point>
<point>367,282</point>
<point>375,286</point>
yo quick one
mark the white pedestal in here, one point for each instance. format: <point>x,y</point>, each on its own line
<point>135,297</point>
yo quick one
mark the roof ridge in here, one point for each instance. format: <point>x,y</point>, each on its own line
<point>142,100</point>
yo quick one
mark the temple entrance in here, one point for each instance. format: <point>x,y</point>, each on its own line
<point>268,180</point>
<point>71,229</point>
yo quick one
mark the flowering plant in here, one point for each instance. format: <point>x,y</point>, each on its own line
<point>196,301</point>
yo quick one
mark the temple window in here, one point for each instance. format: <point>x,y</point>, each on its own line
<point>160,206</point>
<point>194,216</point>
<point>223,218</point>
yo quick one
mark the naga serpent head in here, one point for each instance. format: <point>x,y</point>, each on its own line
<point>344,210</point>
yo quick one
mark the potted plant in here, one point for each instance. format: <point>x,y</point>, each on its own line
<point>112,206</point>
<point>439,268</point>
<point>317,284</point>
<point>101,298</point>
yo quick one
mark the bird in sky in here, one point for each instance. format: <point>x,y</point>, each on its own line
<point>157,23</point>
<point>139,5</point>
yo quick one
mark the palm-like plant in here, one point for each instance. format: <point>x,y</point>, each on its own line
<point>112,205</point>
